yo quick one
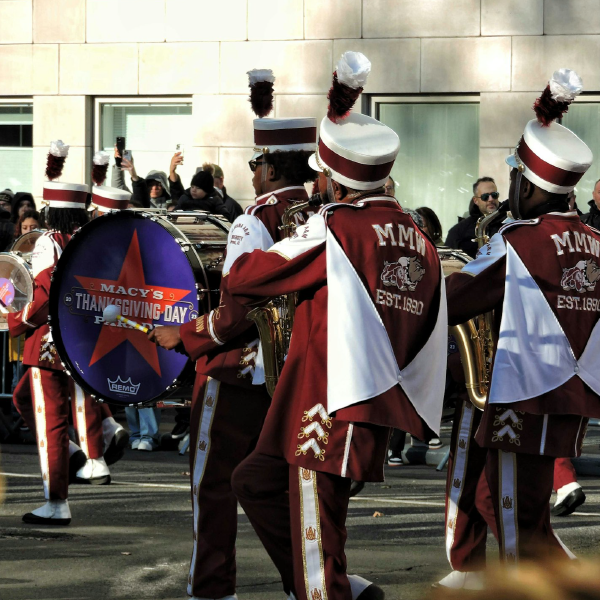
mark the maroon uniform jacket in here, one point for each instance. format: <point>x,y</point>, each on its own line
<point>39,351</point>
<point>542,279</point>
<point>223,342</point>
<point>396,272</point>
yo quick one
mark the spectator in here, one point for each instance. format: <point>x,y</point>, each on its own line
<point>6,198</point>
<point>28,221</point>
<point>390,187</point>
<point>431,225</point>
<point>6,227</point>
<point>151,192</point>
<point>485,201</point>
<point>593,217</point>
<point>143,426</point>
<point>22,202</point>
<point>233,208</point>
<point>201,195</point>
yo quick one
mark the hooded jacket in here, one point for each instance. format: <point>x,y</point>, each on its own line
<point>234,210</point>
<point>593,217</point>
<point>19,197</point>
<point>141,193</point>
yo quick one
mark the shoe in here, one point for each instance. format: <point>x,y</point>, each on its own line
<point>461,580</point>
<point>116,447</point>
<point>394,461</point>
<point>569,503</point>
<point>54,512</point>
<point>356,488</point>
<point>435,443</point>
<point>135,444</point>
<point>95,472</point>
<point>363,589</point>
<point>77,461</point>
<point>145,446</point>
<point>415,443</point>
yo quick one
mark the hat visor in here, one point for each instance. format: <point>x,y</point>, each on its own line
<point>256,155</point>
<point>511,161</point>
<point>312,163</point>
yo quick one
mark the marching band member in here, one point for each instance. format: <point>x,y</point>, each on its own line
<point>539,275</point>
<point>46,410</point>
<point>229,402</point>
<point>370,327</point>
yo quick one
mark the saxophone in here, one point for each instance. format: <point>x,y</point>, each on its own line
<point>474,338</point>
<point>275,320</point>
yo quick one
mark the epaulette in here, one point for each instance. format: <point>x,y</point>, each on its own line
<point>270,201</point>
<point>518,223</point>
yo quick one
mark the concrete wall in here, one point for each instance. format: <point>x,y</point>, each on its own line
<point>64,52</point>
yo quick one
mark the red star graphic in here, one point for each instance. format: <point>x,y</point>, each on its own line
<point>131,276</point>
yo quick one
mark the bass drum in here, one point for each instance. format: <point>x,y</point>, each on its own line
<point>148,266</point>
<point>16,285</point>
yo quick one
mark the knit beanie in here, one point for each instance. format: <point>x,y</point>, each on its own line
<point>203,180</point>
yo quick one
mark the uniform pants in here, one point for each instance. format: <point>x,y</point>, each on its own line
<point>87,418</point>
<point>225,423</point>
<point>469,508</point>
<point>521,486</point>
<point>42,399</point>
<point>564,473</point>
<point>300,517</point>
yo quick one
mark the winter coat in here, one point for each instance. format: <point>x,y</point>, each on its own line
<point>593,217</point>
<point>211,203</point>
<point>141,194</point>
<point>234,210</point>
<point>16,202</point>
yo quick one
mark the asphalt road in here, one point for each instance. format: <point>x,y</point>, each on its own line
<point>132,539</point>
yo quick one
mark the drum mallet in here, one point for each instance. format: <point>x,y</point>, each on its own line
<point>111,315</point>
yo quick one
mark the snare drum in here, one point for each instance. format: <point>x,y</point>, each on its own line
<point>23,245</point>
<point>159,270</point>
<point>16,285</point>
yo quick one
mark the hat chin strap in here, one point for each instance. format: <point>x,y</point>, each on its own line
<point>330,193</point>
<point>517,195</point>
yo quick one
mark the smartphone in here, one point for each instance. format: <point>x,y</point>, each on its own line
<point>180,148</point>
<point>120,148</point>
<point>127,155</point>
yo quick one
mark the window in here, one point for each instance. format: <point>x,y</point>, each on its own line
<point>16,146</point>
<point>152,130</point>
<point>583,119</point>
<point>439,151</point>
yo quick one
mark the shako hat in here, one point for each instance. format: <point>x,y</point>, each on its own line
<point>110,199</point>
<point>272,135</point>
<point>550,155</point>
<point>57,194</point>
<point>354,149</point>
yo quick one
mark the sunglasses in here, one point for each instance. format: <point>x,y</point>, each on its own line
<point>484,197</point>
<point>254,164</point>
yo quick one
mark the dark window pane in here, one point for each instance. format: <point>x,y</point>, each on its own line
<point>10,135</point>
<point>26,136</point>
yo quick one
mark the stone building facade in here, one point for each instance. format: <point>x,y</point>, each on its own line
<point>64,53</point>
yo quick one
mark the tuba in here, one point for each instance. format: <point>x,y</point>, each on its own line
<point>275,320</point>
<point>474,338</point>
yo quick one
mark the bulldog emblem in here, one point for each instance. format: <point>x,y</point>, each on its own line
<point>404,274</point>
<point>582,277</point>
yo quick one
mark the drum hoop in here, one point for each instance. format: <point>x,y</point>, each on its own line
<point>21,262</point>
<point>12,246</point>
<point>54,300</point>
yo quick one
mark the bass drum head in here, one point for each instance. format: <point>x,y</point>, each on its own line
<point>135,261</point>
<point>25,243</point>
<point>16,285</point>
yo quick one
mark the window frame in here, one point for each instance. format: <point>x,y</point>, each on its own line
<point>140,100</point>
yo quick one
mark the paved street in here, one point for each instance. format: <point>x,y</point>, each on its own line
<point>132,540</point>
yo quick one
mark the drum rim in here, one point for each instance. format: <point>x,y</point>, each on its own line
<point>12,246</point>
<point>22,262</point>
<point>54,301</point>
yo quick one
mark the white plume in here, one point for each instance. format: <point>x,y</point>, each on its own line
<point>101,158</point>
<point>565,85</point>
<point>59,149</point>
<point>257,75</point>
<point>353,69</point>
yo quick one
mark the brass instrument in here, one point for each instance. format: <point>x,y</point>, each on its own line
<point>275,320</point>
<point>474,338</point>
